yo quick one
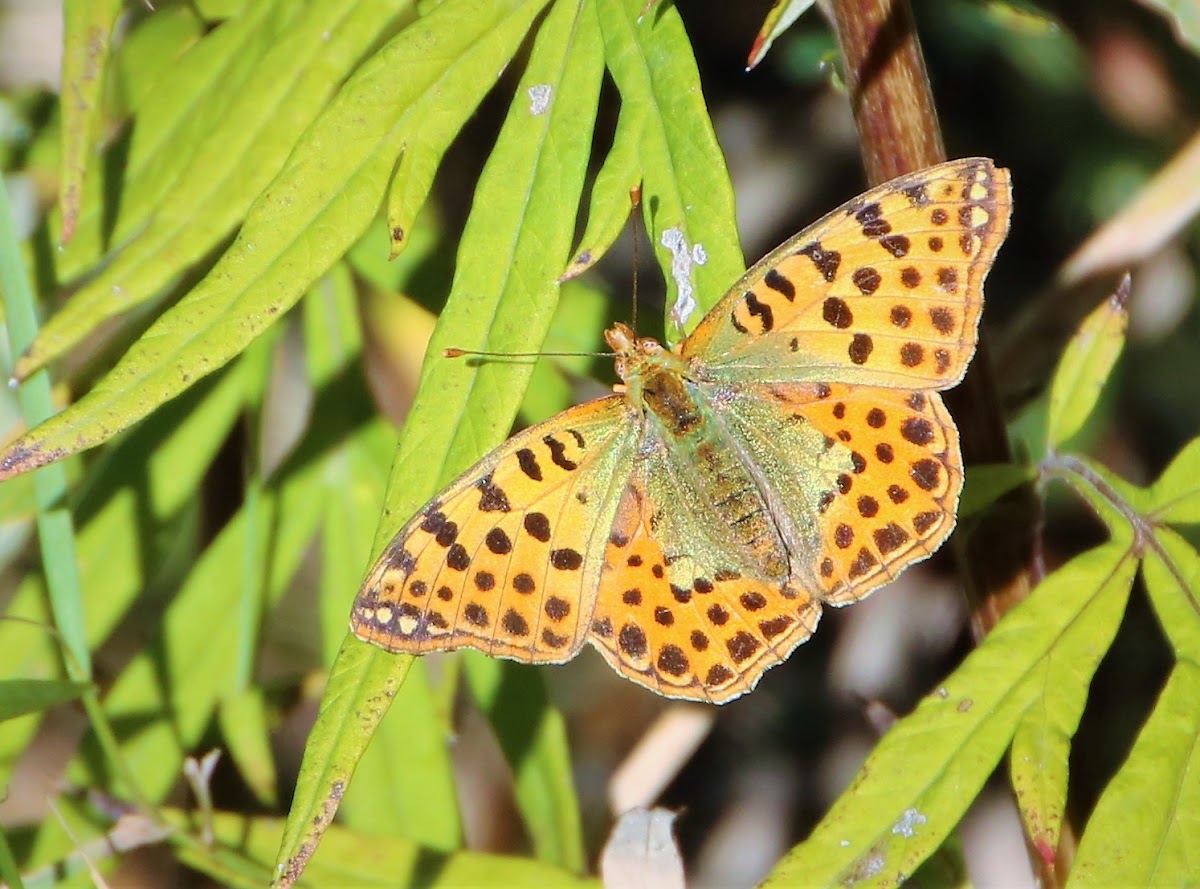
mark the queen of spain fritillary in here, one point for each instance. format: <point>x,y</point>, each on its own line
<point>792,452</point>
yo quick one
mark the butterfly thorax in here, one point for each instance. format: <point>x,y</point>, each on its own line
<point>670,398</point>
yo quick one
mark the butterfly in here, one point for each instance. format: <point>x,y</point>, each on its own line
<point>792,452</point>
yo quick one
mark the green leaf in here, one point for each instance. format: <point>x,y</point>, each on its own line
<point>150,52</point>
<point>414,797</point>
<point>1172,572</point>
<point>307,51</point>
<point>362,683</point>
<point>1042,742</point>
<point>1086,365</point>
<point>242,856</point>
<point>56,533</point>
<point>300,225</point>
<point>21,696</point>
<point>1143,830</point>
<point>514,246</point>
<point>171,124</point>
<point>533,737</point>
<point>1175,497</point>
<point>521,224</point>
<point>609,209</point>
<point>920,779</point>
<point>87,26</point>
<point>140,486</point>
<point>687,199</point>
<point>186,673</point>
<point>781,17</point>
<point>404,784</point>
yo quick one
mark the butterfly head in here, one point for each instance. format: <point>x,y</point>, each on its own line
<point>634,354</point>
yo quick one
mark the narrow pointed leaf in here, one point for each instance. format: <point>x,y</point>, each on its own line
<point>87,26</point>
<point>412,796</point>
<point>21,696</point>
<point>237,156</point>
<point>521,226</point>
<point>172,121</point>
<point>686,195</point>
<point>314,210</point>
<point>514,246</point>
<point>362,683</point>
<point>782,16</point>
<point>1143,830</point>
<point>1173,580</point>
<point>918,782</point>
<point>1086,364</point>
<point>609,209</point>
<point>1042,743</point>
<point>56,533</point>
<point>1175,497</point>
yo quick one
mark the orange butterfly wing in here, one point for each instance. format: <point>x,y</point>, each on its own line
<point>688,625</point>
<point>506,559</point>
<point>886,290</point>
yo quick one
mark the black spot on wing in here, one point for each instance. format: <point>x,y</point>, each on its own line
<point>760,310</point>
<point>780,284</point>
<point>492,497</point>
<point>558,454</point>
<point>826,261</point>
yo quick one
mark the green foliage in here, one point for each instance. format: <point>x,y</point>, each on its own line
<point>1023,690</point>
<point>273,153</point>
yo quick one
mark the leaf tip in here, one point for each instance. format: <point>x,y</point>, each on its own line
<point>398,240</point>
<point>1046,850</point>
<point>1120,296</point>
<point>21,457</point>
<point>580,264</point>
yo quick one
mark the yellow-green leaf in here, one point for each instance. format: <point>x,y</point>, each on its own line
<point>87,27</point>
<point>1143,830</point>
<point>1085,366</point>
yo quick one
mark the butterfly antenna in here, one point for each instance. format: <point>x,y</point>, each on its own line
<point>453,352</point>
<point>635,198</point>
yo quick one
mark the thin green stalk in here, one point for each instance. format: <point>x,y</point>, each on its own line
<point>56,532</point>
<point>8,865</point>
<point>56,536</point>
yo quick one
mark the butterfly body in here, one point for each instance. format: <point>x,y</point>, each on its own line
<point>793,451</point>
<point>680,412</point>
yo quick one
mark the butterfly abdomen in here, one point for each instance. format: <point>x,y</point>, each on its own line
<point>721,483</point>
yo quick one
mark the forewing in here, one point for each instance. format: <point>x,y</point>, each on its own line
<point>506,560</point>
<point>886,290</point>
